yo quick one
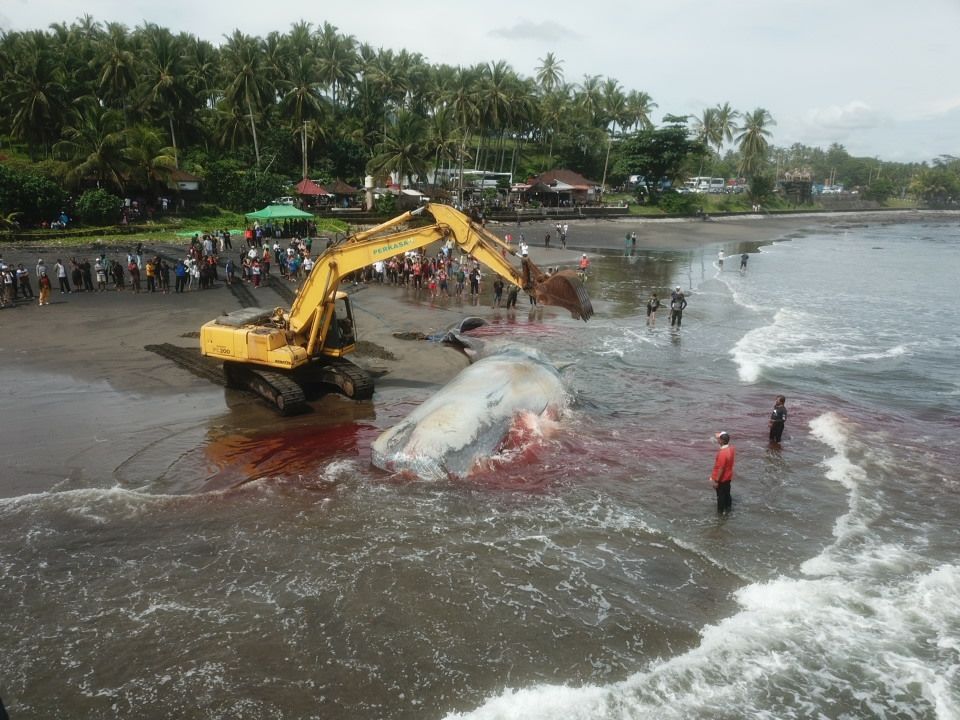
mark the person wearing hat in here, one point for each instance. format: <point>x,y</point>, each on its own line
<point>677,303</point>
<point>722,475</point>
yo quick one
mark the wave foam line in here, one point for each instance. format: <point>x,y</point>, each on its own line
<point>875,638</point>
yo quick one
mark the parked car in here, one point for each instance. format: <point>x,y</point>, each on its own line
<point>285,200</point>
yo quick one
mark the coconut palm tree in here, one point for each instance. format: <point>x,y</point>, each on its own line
<point>442,141</point>
<point>94,144</point>
<point>202,65</point>
<point>523,119</point>
<point>34,93</point>
<point>163,76</point>
<point>463,98</point>
<point>117,61</point>
<point>549,72</point>
<point>706,128</point>
<point>589,99</point>
<point>75,47</point>
<point>614,113</point>
<point>150,161</point>
<point>8,221</point>
<point>497,84</point>
<point>753,141</point>
<point>244,81</point>
<point>552,108</point>
<point>301,98</point>
<point>726,123</point>
<point>640,107</point>
<point>404,149</point>
<point>337,61</point>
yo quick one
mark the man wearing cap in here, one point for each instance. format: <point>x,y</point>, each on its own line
<point>722,474</point>
<point>677,303</point>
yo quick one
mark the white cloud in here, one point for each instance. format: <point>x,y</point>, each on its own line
<point>855,115</point>
<point>547,31</point>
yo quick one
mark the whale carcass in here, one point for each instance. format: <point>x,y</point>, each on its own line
<point>467,421</point>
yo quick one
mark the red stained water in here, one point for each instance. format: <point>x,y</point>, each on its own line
<point>288,454</point>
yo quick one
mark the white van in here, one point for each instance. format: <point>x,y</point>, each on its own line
<point>717,185</point>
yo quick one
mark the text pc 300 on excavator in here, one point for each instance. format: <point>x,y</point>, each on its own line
<point>288,356</point>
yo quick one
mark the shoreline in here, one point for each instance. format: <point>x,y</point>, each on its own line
<point>78,375</point>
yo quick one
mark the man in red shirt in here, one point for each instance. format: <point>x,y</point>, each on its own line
<point>722,474</point>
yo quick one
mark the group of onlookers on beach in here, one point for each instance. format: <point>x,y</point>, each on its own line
<point>446,274</point>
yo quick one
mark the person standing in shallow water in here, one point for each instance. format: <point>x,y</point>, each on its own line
<point>677,305</point>
<point>722,475</point>
<point>778,418</point>
<point>653,304</point>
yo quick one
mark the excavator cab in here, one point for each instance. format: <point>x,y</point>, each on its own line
<point>341,338</point>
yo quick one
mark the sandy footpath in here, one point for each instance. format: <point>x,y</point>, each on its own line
<point>83,400</point>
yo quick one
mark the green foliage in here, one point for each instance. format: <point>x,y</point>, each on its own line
<point>582,148</point>
<point>939,186</point>
<point>880,190</point>
<point>657,153</point>
<point>345,158</point>
<point>732,203</point>
<point>9,221</point>
<point>35,197</point>
<point>760,189</point>
<point>253,190</point>
<point>676,203</point>
<point>240,189</point>
<point>385,204</point>
<point>98,207</point>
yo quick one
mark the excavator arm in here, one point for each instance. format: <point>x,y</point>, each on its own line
<point>384,241</point>
<point>562,289</point>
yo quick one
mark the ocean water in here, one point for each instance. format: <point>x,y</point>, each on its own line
<point>265,570</point>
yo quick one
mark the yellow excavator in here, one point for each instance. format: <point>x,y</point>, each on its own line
<point>288,356</point>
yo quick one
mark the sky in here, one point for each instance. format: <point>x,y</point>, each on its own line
<point>880,77</point>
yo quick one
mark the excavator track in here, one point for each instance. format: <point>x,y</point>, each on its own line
<point>280,390</point>
<point>190,359</point>
<point>243,294</point>
<point>352,381</point>
<point>282,288</point>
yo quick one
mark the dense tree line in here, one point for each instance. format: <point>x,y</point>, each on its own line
<point>101,104</point>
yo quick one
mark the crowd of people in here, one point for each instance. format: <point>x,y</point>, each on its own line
<point>446,274</point>
<point>211,258</point>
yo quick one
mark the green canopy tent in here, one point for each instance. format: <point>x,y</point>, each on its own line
<point>278,212</point>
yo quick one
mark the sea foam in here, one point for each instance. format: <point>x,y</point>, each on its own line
<point>870,629</point>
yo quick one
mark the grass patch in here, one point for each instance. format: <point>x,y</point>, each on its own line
<point>163,229</point>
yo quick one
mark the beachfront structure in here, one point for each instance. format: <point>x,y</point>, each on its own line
<point>557,188</point>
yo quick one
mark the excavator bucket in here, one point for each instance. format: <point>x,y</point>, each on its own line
<point>565,290</point>
<point>562,289</point>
